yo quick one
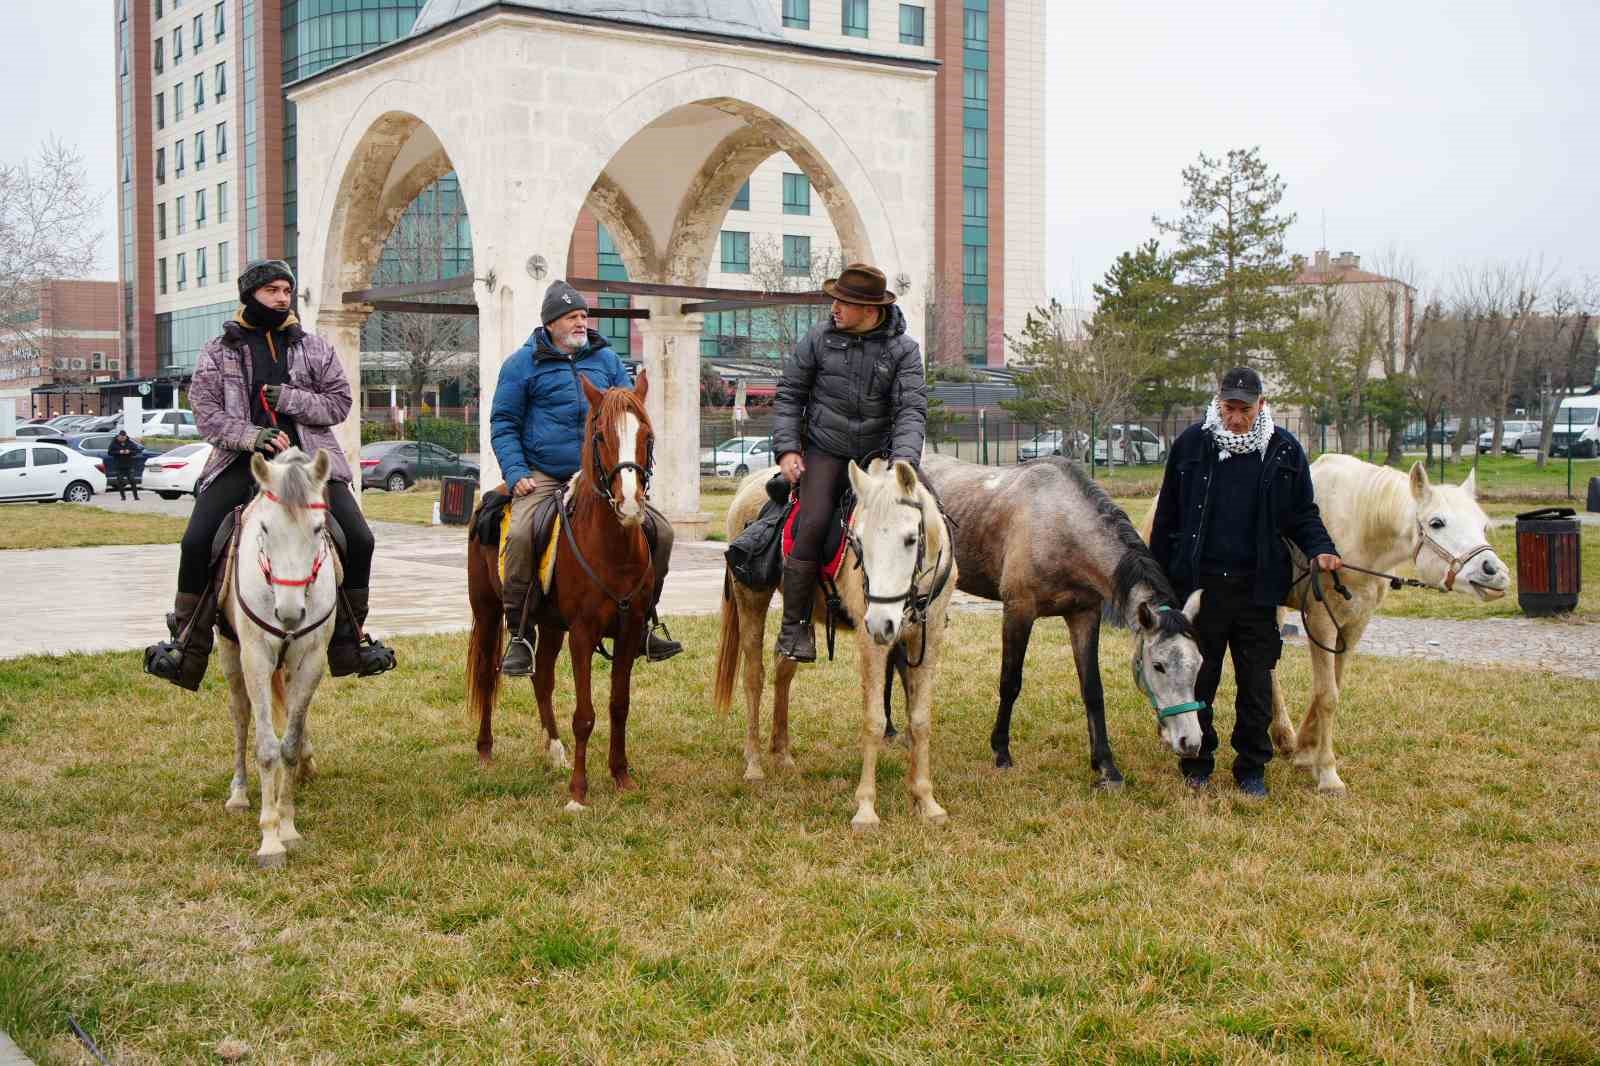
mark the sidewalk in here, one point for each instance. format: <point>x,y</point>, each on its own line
<point>11,1055</point>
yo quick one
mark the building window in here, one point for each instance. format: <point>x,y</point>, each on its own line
<point>974,204</point>
<point>219,81</point>
<point>97,360</point>
<point>218,25</point>
<point>618,331</point>
<point>200,150</point>
<point>741,199</point>
<point>177,44</point>
<point>911,24</point>
<point>222,200</point>
<point>161,275</point>
<point>177,102</point>
<point>177,161</point>
<point>735,252</point>
<point>796,256</point>
<point>974,147</point>
<point>161,166</point>
<point>183,215</point>
<point>158,9</point>
<point>183,271</point>
<point>854,22</point>
<point>608,259</point>
<point>222,257</point>
<point>200,266</point>
<point>161,222</point>
<point>160,63</point>
<point>161,111</point>
<point>199,91</point>
<point>975,87</point>
<point>222,140</point>
<point>200,209</point>
<point>796,194</point>
<point>797,14</point>
<point>975,28</point>
<point>199,32</point>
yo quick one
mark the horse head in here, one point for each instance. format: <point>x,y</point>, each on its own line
<point>890,533</point>
<point>619,447</point>
<point>287,523</point>
<point>1166,660</point>
<point>1452,537</point>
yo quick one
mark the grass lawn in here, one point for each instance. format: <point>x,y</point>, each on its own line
<point>73,525</point>
<point>413,506</point>
<point>1513,479</point>
<point>1445,911</point>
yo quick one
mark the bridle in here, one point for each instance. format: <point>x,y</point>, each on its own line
<point>603,475</point>
<point>1162,713</point>
<point>1454,564</point>
<point>265,563</point>
<point>915,612</point>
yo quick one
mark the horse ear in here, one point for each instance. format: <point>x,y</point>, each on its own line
<point>907,478</point>
<point>641,387</point>
<point>1419,482</point>
<point>1191,608</point>
<point>590,393</point>
<point>1470,486</point>
<point>1147,617</point>
<point>259,470</point>
<point>858,480</point>
<point>321,465</point>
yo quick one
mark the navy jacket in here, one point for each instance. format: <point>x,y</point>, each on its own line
<point>537,419</point>
<point>1286,507</point>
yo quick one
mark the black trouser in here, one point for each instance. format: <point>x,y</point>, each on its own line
<point>232,488</point>
<point>1229,619</point>
<point>825,479</point>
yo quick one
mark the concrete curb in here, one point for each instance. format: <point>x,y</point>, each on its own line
<point>11,1055</point>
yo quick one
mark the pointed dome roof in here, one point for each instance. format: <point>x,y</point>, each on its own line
<point>737,18</point>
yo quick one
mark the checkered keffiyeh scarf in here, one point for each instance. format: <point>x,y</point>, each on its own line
<point>1231,444</point>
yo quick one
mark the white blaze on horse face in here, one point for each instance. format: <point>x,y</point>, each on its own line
<point>628,507</point>
<point>889,532</point>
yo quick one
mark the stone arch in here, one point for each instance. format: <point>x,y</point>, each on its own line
<point>629,229</point>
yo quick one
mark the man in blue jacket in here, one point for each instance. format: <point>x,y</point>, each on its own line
<point>1235,487</point>
<point>536,428</point>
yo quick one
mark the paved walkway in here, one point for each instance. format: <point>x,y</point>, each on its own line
<point>11,1055</point>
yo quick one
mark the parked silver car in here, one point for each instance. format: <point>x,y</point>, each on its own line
<point>1516,435</point>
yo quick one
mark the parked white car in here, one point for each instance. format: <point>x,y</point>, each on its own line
<point>173,474</point>
<point>1147,447</point>
<point>33,430</point>
<point>48,472</point>
<point>737,456</point>
<point>1515,436</point>
<point>173,422</point>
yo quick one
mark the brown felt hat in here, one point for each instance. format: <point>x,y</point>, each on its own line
<point>859,283</point>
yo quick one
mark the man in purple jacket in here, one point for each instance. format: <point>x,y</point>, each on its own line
<point>266,385</point>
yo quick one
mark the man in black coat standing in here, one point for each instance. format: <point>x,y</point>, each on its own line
<point>1235,487</point>
<point>120,459</point>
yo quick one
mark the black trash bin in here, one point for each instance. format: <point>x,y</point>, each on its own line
<point>456,500</point>
<point>1549,556</point>
<point>1594,494</point>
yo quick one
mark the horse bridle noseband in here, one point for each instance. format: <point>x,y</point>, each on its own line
<point>1162,713</point>
<point>916,604</point>
<point>603,476</point>
<point>1454,564</point>
<point>265,563</point>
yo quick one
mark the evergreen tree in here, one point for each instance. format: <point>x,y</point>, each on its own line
<point>1141,301</point>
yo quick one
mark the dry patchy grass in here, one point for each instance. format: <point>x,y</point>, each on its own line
<point>28,526</point>
<point>1446,910</point>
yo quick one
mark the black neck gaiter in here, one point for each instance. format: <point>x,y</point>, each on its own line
<point>261,316</point>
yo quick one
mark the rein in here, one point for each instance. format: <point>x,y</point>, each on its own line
<point>604,476</point>
<point>266,571</point>
<point>1162,713</point>
<point>1314,585</point>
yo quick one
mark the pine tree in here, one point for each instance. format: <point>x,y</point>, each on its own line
<point>1141,301</point>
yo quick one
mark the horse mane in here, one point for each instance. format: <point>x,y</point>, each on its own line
<point>613,402</point>
<point>295,488</point>
<point>1137,565</point>
<point>1385,497</point>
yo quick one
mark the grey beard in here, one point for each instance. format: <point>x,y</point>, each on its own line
<point>568,344</point>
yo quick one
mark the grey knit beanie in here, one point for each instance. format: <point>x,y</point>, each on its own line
<point>262,272</point>
<point>560,299</point>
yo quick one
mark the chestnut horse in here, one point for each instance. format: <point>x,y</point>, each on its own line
<point>603,587</point>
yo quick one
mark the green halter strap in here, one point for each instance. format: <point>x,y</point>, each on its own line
<point>1162,713</point>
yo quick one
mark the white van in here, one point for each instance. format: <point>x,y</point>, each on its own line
<point>1577,428</point>
<point>169,422</point>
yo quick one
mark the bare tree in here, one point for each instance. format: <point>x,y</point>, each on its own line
<point>944,340</point>
<point>1558,346</point>
<point>47,231</point>
<point>804,271</point>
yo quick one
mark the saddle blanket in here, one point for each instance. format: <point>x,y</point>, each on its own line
<point>547,561</point>
<point>833,544</point>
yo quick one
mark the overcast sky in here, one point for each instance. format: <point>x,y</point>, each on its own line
<point>1454,133</point>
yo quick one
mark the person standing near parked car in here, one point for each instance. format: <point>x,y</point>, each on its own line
<point>121,456</point>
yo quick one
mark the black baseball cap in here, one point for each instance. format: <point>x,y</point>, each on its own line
<point>1240,383</point>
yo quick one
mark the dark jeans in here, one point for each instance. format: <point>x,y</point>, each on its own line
<point>232,488</point>
<point>1229,619</point>
<point>825,479</point>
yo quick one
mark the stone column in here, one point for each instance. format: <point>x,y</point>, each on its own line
<point>672,360</point>
<point>341,327</point>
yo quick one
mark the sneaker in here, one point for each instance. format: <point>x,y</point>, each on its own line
<point>1254,786</point>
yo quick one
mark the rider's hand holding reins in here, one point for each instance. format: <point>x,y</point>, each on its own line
<point>523,487</point>
<point>270,441</point>
<point>792,466</point>
<point>1328,562</point>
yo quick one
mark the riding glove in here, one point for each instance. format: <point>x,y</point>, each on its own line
<point>264,435</point>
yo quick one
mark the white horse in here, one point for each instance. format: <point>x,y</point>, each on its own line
<point>895,582</point>
<point>279,594</point>
<point>1379,519</point>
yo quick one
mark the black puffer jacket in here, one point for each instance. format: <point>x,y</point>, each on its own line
<point>853,395</point>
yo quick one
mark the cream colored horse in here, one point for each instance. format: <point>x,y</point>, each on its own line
<point>1382,520</point>
<point>899,553</point>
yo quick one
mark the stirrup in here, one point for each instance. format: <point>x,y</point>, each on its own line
<point>375,657</point>
<point>518,670</point>
<point>664,647</point>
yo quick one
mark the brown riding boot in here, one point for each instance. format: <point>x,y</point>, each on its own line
<point>182,660</point>
<point>797,639</point>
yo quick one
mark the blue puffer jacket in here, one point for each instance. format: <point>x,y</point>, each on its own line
<point>539,410</point>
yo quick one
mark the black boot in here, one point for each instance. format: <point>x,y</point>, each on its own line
<point>182,659</point>
<point>352,650</point>
<point>658,643</point>
<point>797,639</point>
<point>520,605</point>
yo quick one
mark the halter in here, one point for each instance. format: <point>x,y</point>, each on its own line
<point>603,476</point>
<point>1454,564</point>
<point>916,604</point>
<point>265,562</point>
<point>1162,713</point>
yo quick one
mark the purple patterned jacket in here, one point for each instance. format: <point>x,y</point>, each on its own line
<point>317,398</point>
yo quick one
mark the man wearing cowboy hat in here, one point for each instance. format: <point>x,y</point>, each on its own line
<point>852,390</point>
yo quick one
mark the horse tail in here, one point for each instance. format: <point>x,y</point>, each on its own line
<point>727,648</point>
<point>483,645</point>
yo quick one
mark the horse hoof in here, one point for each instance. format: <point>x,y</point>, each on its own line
<point>786,762</point>
<point>308,769</point>
<point>865,824</point>
<point>574,807</point>
<point>485,760</point>
<point>1333,789</point>
<point>271,860</point>
<point>238,803</point>
<point>1002,760</point>
<point>934,815</point>
<point>1109,784</point>
<point>557,753</point>
<point>752,772</point>
<point>294,843</point>
<point>625,783</point>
